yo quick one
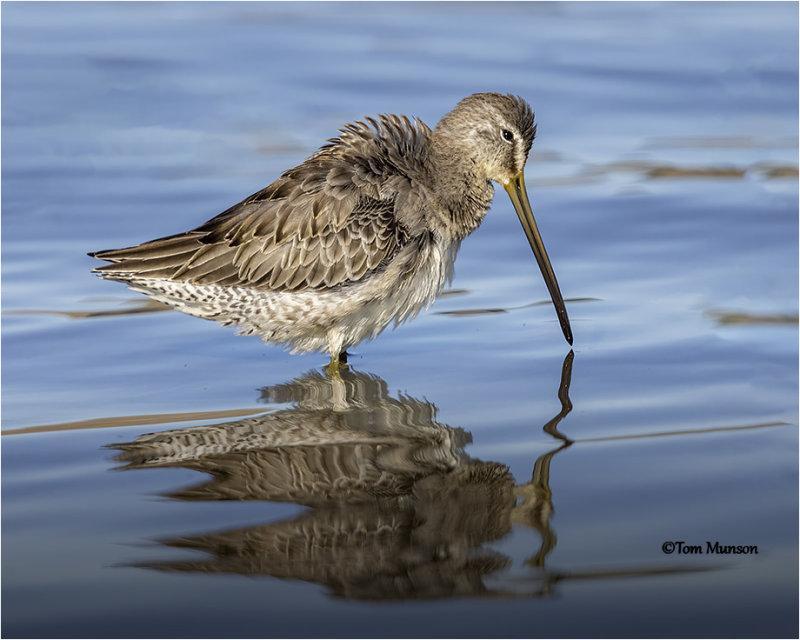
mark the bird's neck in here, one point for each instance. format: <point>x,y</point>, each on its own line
<point>464,196</point>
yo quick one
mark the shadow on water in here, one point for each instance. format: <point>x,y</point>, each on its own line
<point>398,509</point>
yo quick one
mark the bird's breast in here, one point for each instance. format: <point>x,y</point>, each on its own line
<point>427,269</point>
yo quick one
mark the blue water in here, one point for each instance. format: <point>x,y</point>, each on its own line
<point>491,484</point>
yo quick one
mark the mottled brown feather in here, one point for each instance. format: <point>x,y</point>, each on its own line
<point>333,219</point>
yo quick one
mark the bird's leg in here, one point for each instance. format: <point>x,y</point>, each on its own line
<point>338,361</point>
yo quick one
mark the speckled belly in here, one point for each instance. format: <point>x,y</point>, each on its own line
<point>318,320</point>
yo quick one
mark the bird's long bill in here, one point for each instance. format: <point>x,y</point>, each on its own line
<point>519,198</point>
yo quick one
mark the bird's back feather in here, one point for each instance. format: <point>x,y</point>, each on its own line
<point>329,221</point>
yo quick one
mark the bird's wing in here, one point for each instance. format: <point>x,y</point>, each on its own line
<point>331,220</point>
<point>272,245</point>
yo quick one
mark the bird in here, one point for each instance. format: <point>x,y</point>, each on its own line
<point>362,234</point>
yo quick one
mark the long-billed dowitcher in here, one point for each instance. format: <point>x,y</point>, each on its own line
<point>362,234</point>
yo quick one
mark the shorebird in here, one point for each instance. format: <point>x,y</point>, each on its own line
<point>362,234</point>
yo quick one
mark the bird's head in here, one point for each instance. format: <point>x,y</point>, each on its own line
<point>493,132</point>
<point>489,135</point>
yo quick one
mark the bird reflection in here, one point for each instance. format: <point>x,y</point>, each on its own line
<point>343,441</point>
<point>398,509</point>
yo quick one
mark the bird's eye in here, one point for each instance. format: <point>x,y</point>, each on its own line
<point>507,135</point>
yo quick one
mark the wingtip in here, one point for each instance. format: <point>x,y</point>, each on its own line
<point>101,255</point>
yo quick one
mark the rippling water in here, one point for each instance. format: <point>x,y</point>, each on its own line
<point>469,476</point>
